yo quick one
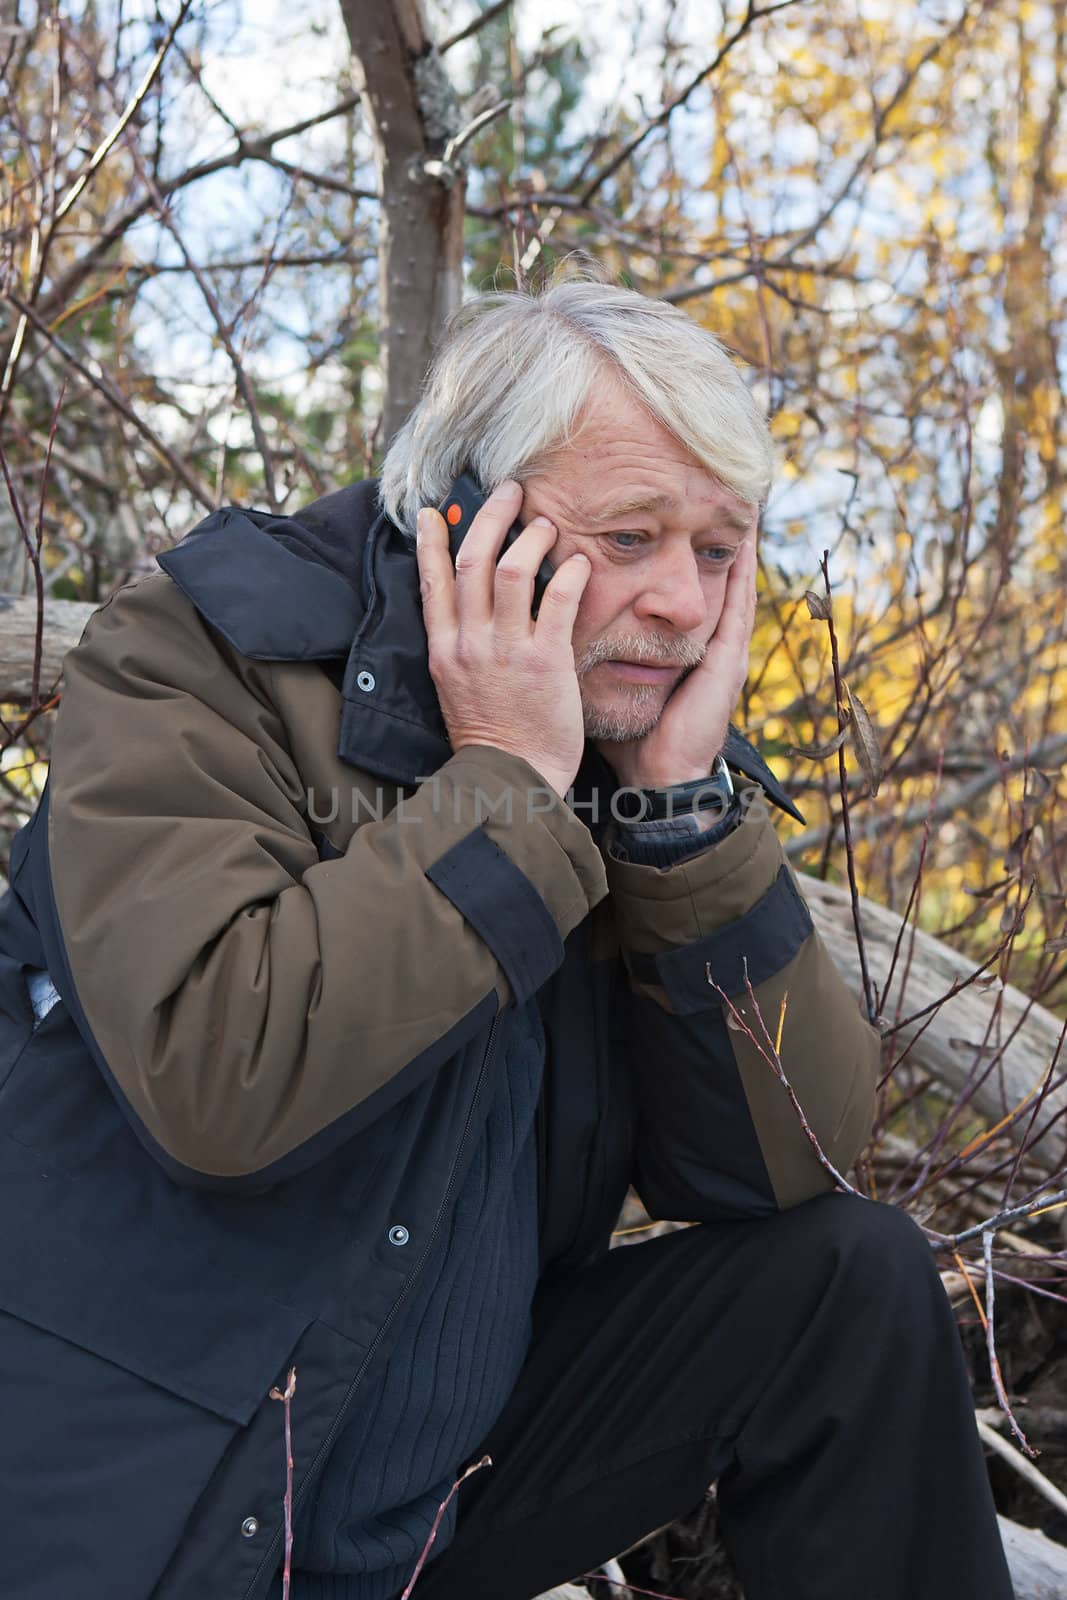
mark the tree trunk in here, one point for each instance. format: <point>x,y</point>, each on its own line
<point>412,112</point>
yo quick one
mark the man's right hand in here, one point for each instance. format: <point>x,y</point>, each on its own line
<point>503,678</point>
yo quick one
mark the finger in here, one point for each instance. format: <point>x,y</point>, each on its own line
<point>513,586</point>
<point>476,559</point>
<point>733,631</point>
<point>437,583</point>
<point>559,607</point>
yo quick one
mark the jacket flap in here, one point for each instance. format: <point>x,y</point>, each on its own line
<point>161,1313</point>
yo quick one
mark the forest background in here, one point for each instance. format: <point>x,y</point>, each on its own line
<point>206,223</point>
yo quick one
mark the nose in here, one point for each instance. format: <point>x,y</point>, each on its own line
<point>672,591</point>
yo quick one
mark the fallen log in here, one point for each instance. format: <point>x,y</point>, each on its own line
<point>1038,1565</point>
<point>64,621</point>
<point>999,1029</point>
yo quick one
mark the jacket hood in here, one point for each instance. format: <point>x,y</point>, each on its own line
<point>337,583</point>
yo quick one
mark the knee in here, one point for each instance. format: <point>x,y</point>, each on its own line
<point>877,1254</point>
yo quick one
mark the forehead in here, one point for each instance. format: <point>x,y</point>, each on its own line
<point>621,460</point>
<point>710,501</point>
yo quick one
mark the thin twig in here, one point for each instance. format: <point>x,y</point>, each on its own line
<point>222,328</point>
<point>958,984</point>
<point>870,998</point>
<point>770,1054</point>
<point>991,1344</point>
<point>1032,1208</point>
<point>102,150</point>
<point>476,26</point>
<point>286,1397</point>
<point>486,1461</point>
<point>913,898</point>
<point>38,574</point>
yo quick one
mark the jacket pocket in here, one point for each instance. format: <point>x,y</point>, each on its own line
<point>120,1400</point>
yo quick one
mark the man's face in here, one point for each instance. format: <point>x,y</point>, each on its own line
<point>661,534</point>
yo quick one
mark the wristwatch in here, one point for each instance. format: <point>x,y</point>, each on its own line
<point>713,793</point>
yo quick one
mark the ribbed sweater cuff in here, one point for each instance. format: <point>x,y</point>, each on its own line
<point>339,1586</point>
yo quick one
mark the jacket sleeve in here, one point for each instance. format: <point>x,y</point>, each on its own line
<point>717,1135</point>
<point>247,1000</point>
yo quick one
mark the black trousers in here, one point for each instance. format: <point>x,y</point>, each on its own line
<point>809,1362</point>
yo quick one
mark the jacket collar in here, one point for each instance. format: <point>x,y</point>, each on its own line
<point>338,583</point>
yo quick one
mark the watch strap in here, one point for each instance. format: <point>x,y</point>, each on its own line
<point>715,792</point>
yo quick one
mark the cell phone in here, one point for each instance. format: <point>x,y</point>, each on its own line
<point>459,508</point>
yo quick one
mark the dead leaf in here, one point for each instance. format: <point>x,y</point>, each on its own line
<point>1052,945</point>
<point>1037,786</point>
<point>818,606</point>
<point>819,752</point>
<point>865,742</point>
<point>1016,851</point>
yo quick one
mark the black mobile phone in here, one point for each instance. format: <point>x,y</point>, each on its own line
<point>459,508</point>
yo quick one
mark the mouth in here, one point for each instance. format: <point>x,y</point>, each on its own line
<point>641,672</point>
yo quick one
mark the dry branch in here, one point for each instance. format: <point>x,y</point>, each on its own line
<point>955,801</point>
<point>249,147</point>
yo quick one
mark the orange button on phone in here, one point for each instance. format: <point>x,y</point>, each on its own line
<point>453,514</point>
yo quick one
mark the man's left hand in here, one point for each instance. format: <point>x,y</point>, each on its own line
<point>692,729</point>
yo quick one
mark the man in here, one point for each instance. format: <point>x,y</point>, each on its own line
<point>345,996</point>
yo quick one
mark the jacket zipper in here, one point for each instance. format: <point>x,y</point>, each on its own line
<point>335,1426</point>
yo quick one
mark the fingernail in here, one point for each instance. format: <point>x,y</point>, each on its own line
<point>422,522</point>
<point>505,490</point>
<point>541,522</point>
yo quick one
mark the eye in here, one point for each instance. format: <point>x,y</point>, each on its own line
<point>615,538</point>
<point>719,555</point>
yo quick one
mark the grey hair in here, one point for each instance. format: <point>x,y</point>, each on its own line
<point>515,369</point>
